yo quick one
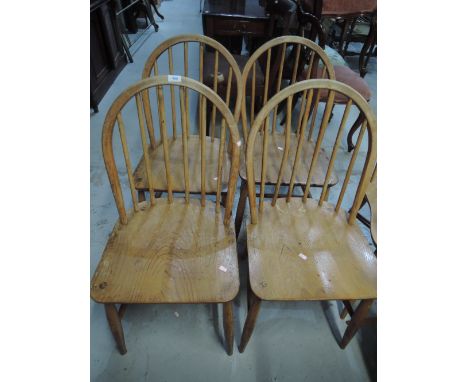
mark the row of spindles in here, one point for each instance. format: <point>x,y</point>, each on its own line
<point>310,100</point>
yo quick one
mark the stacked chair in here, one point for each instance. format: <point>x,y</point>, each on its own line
<point>175,239</point>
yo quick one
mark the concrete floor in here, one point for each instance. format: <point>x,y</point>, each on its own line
<point>291,342</point>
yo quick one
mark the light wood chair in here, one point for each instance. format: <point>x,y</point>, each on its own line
<point>306,249</point>
<point>179,250</point>
<point>277,76</point>
<point>371,199</point>
<point>228,87</point>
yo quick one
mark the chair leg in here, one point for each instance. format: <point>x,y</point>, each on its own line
<point>228,323</point>
<point>116,327</point>
<point>150,15</point>
<point>356,322</point>
<point>241,206</point>
<point>353,129</point>
<point>249,325</point>
<point>141,196</point>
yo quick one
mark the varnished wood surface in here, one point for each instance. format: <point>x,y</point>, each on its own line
<point>169,253</point>
<point>276,147</point>
<point>340,265</point>
<point>156,158</point>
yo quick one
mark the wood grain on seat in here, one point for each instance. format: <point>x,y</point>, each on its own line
<point>338,263</point>
<point>276,145</point>
<point>169,253</point>
<point>175,148</point>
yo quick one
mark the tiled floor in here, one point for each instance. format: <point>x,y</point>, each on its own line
<point>292,341</point>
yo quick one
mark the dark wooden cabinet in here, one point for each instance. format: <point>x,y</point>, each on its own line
<point>107,53</point>
<point>228,21</point>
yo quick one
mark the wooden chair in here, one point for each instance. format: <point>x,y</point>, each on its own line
<point>371,199</point>
<point>179,250</point>
<point>228,87</point>
<point>310,27</point>
<point>305,54</point>
<point>305,249</point>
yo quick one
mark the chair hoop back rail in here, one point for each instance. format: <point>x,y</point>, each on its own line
<point>136,92</point>
<point>276,71</point>
<point>312,87</point>
<point>151,67</point>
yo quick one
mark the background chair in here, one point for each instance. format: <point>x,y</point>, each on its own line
<point>305,57</point>
<point>179,250</point>
<point>303,248</point>
<point>161,61</point>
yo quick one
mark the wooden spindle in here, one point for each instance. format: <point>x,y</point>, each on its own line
<point>323,128</point>
<point>215,89</point>
<point>265,89</point>
<point>351,165</point>
<point>162,123</point>
<point>201,58</point>
<point>186,91</point>
<point>184,143</point>
<point>297,158</point>
<point>128,163</point>
<point>221,146</point>
<point>174,120</point>
<point>219,184</point>
<point>344,119</point>
<point>315,109</point>
<point>278,86</point>
<point>267,78</point>
<point>149,118</point>
<point>304,93</point>
<point>296,64</point>
<point>203,158</point>
<point>252,102</point>
<point>149,174</point>
<point>287,143</point>
<point>264,162</point>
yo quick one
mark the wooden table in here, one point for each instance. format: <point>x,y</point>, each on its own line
<point>228,21</point>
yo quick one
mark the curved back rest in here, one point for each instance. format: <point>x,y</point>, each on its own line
<point>132,97</point>
<point>311,87</point>
<point>305,54</point>
<point>222,57</point>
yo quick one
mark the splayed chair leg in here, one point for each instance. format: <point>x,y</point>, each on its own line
<point>228,323</point>
<point>357,320</point>
<point>249,325</point>
<point>116,327</point>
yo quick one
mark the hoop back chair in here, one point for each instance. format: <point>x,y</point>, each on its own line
<point>303,248</point>
<point>229,88</point>
<point>179,250</point>
<point>307,56</point>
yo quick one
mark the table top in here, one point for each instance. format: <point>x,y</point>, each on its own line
<point>236,8</point>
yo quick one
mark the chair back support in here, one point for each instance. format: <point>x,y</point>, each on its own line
<point>305,54</point>
<point>220,53</point>
<point>312,87</point>
<point>310,27</point>
<point>134,95</point>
